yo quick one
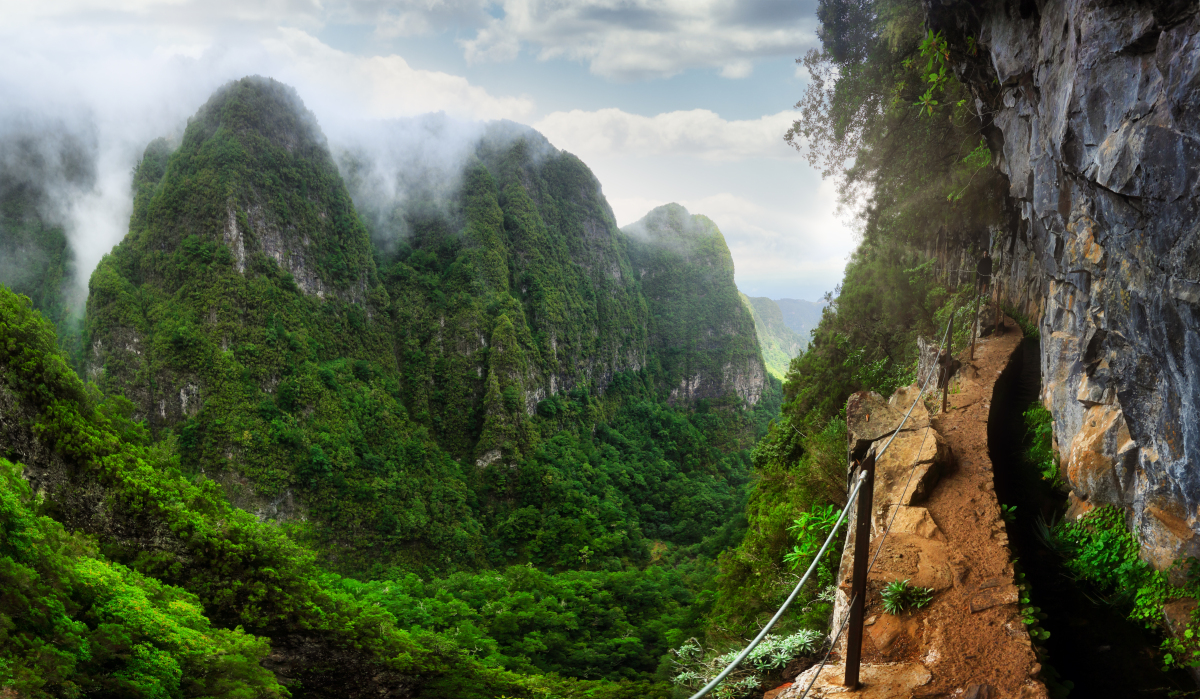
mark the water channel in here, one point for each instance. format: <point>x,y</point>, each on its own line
<point>1094,649</point>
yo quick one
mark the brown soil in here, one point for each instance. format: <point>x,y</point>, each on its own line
<point>963,648</point>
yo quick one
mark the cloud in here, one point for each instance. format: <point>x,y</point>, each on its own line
<point>127,85</point>
<point>635,39</point>
<point>387,86</point>
<point>618,39</point>
<point>396,18</point>
<point>696,133</point>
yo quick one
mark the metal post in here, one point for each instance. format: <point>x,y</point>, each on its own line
<point>858,583</point>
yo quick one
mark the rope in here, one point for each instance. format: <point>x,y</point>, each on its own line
<point>895,511</point>
<point>813,566</point>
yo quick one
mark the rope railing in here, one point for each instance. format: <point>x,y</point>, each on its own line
<point>816,559</point>
<point>786,603</point>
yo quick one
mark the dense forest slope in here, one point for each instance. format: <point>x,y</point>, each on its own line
<point>522,435</point>
<point>703,335</point>
<point>42,166</point>
<point>779,343</point>
<point>801,316</point>
<point>1095,124</point>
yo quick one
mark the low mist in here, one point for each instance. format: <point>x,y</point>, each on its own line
<point>75,120</point>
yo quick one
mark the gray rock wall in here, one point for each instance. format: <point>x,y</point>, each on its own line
<point>1095,113</point>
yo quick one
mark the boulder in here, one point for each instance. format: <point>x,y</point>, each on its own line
<point>905,519</point>
<point>869,417</point>
<point>884,632</point>
<point>910,467</point>
<point>922,562</point>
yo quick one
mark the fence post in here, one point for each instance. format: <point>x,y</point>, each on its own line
<point>858,583</point>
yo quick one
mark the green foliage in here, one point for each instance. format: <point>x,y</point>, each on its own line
<point>1031,616</point>
<point>917,184</point>
<point>1039,435</point>
<point>385,403</point>
<point>1008,512</point>
<point>694,668</point>
<point>241,572</point>
<point>1101,550</point>
<point>794,474</point>
<point>934,47</point>
<point>586,624</point>
<point>811,529</point>
<point>73,623</point>
<point>899,596</point>
<point>1028,327</point>
<point>778,342</point>
<point>701,327</point>
<point>35,257</point>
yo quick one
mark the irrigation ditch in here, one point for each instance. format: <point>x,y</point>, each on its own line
<point>1094,650</point>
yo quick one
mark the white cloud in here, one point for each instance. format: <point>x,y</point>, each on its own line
<point>618,39</point>
<point>696,133</point>
<point>387,86</point>
<point>129,85</point>
<point>631,39</point>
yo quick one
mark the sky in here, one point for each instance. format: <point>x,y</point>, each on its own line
<point>666,100</point>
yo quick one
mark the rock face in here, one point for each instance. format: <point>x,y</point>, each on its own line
<point>1097,126</point>
<point>870,417</point>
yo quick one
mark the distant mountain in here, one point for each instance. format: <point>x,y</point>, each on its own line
<point>801,316</point>
<point>779,343</point>
<point>701,334</point>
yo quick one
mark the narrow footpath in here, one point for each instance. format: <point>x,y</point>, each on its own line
<point>947,533</point>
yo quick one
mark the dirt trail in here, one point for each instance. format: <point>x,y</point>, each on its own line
<point>970,641</point>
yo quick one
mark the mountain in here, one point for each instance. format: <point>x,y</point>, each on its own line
<point>703,335</point>
<point>293,375</point>
<point>778,342</point>
<point>801,316</point>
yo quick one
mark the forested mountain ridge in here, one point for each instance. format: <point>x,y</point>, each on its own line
<point>515,309</point>
<point>486,398</point>
<point>800,315</point>
<point>779,343</point>
<point>703,335</point>
<point>41,164</point>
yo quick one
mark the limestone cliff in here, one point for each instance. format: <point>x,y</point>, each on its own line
<point>1096,122</point>
<point>703,334</point>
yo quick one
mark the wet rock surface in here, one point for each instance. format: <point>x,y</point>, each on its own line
<point>1097,126</point>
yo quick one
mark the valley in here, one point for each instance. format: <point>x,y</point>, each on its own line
<point>398,409</point>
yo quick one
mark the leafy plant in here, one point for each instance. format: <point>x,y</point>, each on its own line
<point>1039,434</point>
<point>1008,512</point>
<point>899,595</point>
<point>693,670</point>
<point>935,48</point>
<point>811,529</point>
<point>1101,550</point>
